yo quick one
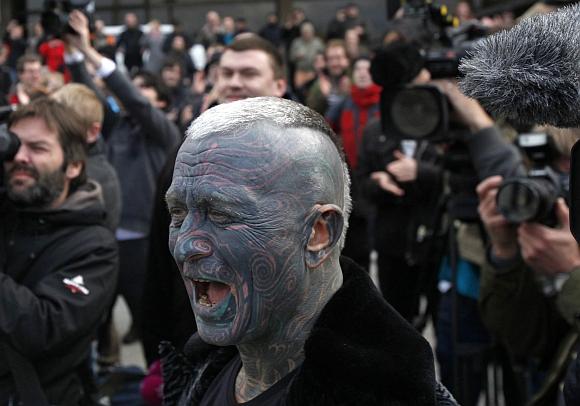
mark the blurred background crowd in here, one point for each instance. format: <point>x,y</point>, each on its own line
<point>425,173</point>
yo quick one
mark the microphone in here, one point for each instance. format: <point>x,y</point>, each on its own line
<point>529,74</point>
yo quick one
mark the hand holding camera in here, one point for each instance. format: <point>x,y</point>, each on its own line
<point>468,110</point>
<point>546,250</point>
<point>80,24</point>
<point>502,234</point>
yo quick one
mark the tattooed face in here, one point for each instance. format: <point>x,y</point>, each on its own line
<point>242,210</point>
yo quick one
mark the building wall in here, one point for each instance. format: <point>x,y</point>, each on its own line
<point>192,12</point>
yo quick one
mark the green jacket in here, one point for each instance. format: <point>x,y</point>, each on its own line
<point>529,324</point>
<point>568,300</point>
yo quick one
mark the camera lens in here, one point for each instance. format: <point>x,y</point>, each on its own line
<point>526,199</point>
<point>9,144</point>
<point>416,112</point>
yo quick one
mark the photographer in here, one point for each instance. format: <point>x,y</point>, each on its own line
<point>137,148</point>
<point>473,150</point>
<point>400,185</point>
<point>531,269</point>
<point>462,339</point>
<point>58,261</point>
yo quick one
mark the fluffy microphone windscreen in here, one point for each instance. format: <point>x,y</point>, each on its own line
<point>530,73</point>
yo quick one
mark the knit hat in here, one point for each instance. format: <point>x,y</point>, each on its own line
<point>396,64</point>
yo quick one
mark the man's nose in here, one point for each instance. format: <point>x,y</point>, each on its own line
<point>235,80</point>
<point>22,156</point>
<point>192,245</point>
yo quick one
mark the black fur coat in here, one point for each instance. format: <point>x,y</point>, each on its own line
<point>360,352</point>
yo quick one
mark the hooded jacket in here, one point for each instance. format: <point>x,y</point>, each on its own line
<point>58,269</point>
<point>359,353</point>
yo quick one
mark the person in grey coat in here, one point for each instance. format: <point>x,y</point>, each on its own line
<point>137,147</point>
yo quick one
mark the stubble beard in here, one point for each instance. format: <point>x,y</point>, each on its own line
<point>45,189</point>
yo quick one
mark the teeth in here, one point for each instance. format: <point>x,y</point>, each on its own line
<point>204,301</point>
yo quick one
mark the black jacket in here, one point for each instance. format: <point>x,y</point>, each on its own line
<point>47,260</point>
<point>398,218</point>
<point>100,170</point>
<point>360,352</point>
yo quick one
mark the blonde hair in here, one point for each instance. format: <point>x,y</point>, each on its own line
<point>83,101</point>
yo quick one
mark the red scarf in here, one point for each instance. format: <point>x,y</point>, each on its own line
<point>351,131</point>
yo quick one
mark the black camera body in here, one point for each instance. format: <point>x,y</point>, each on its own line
<point>532,198</point>
<point>423,113</point>
<point>9,144</point>
<point>443,62</point>
<point>420,112</point>
<point>54,18</point>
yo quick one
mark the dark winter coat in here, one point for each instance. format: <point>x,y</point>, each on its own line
<point>138,148</point>
<point>58,270</point>
<point>130,40</point>
<point>101,171</point>
<point>169,313</point>
<point>399,217</point>
<point>542,339</point>
<point>360,352</point>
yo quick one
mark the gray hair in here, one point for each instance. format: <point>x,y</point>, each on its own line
<point>245,114</point>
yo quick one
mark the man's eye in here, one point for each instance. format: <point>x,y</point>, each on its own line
<point>219,217</point>
<point>178,214</point>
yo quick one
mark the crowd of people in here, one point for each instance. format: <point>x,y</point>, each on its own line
<point>84,215</point>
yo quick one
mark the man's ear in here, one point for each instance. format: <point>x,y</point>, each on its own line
<point>73,169</point>
<point>93,132</point>
<point>281,87</point>
<point>324,234</point>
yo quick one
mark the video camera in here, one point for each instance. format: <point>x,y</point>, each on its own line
<point>54,18</point>
<point>437,36</point>
<point>9,145</point>
<point>420,112</point>
<point>532,198</point>
<point>9,142</point>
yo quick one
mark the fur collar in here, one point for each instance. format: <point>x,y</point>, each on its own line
<point>360,352</point>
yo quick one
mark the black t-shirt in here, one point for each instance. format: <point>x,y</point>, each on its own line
<point>222,390</point>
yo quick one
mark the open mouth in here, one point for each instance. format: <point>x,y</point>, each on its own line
<point>210,293</point>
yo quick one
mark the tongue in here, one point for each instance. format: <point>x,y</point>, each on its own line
<point>217,292</point>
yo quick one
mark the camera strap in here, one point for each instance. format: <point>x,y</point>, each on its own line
<point>25,378</point>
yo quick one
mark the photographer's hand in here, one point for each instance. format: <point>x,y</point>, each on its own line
<point>404,168</point>
<point>550,250</point>
<point>469,110</point>
<point>78,22</point>
<point>502,235</point>
<point>385,182</point>
<point>82,41</point>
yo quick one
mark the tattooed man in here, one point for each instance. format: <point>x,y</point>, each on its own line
<point>259,205</point>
